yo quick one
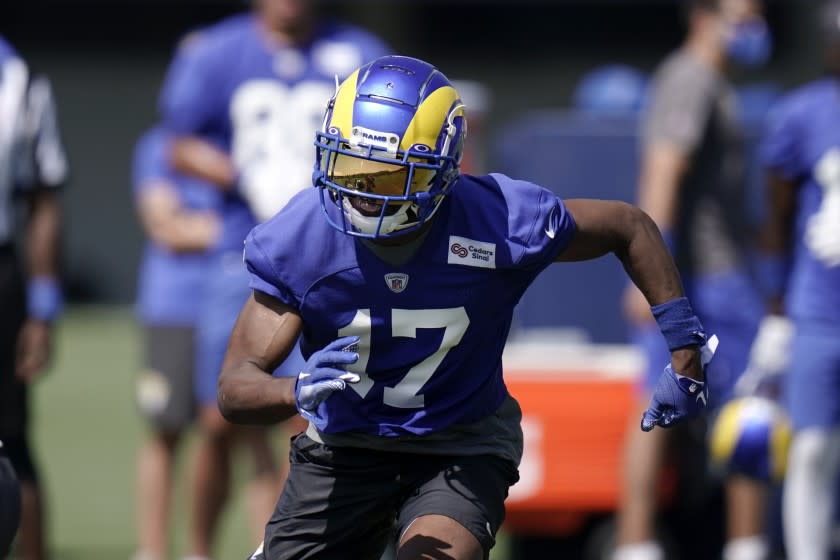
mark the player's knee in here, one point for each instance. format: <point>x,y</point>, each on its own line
<point>438,536</point>
<point>419,547</point>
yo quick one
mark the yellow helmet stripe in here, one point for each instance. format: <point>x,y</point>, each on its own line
<point>429,118</point>
<point>342,116</point>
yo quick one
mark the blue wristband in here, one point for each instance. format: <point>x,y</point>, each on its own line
<point>43,298</point>
<point>678,323</point>
<point>772,273</point>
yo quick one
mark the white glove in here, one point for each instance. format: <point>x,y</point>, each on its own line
<point>324,373</point>
<point>769,354</point>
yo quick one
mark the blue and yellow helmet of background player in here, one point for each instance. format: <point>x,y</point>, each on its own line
<point>390,147</point>
<point>751,436</point>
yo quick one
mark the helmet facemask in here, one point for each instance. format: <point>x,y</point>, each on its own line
<point>379,196</point>
<point>383,189</point>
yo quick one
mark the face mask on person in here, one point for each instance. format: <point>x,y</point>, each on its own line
<point>748,43</point>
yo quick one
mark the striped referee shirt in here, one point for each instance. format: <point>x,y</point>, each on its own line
<point>31,153</point>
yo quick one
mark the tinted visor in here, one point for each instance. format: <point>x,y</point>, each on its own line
<point>376,177</point>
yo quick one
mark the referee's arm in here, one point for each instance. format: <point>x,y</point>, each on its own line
<point>42,231</point>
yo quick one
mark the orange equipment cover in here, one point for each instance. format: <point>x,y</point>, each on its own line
<point>577,401</point>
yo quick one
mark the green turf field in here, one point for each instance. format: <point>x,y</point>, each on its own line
<point>86,431</point>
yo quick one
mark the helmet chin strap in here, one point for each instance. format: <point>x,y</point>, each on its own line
<point>369,224</point>
<point>390,224</point>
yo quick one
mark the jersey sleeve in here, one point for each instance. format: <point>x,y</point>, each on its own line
<point>539,226</point>
<point>44,164</point>
<point>190,98</point>
<point>49,154</point>
<point>262,270</point>
<point>681,104</point>
<point>779,147</point>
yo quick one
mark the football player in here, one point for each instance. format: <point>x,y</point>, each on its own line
<point>801,241</point>
<point>178,215</point>
<point>242,98</point>
<point>402,274</point>
<point>33,168</point>
<point>693,183</point>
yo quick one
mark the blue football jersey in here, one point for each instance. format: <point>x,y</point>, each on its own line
<point>259,100</point>
<point>802,143</point>
<point>169,283</point>
<point>433,328</point>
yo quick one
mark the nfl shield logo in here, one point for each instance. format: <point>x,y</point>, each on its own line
<point>396,281</point>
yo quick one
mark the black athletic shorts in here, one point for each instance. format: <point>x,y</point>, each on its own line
<point>13,394</point>
<point>164,390</point>
<point>341,503</point>
<point>9,504</point>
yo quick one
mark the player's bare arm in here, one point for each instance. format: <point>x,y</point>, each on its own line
<point>663,167</point>
<point>263,336</point>
<point>629,233</point>
<point>197,157</point>
<point>42,230</point>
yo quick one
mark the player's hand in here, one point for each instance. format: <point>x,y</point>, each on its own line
<point>33,350</point>
<point>678,397</point>
<point>769,355</point>
<point>323,373</point>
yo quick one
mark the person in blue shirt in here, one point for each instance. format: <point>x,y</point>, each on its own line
<point>179,217</point>
<point>801,266</point>
<point>241,98</point>
<point>400,276</point>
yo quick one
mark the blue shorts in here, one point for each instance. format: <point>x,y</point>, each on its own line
<point>729,307</point>
<point>225,293</point>
<point>812,385</point>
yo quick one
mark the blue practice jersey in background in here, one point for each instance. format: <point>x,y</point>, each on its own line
<point>260,100</point>
<point>803,144</point>
<point>432,329</point>
<point>170,283</point>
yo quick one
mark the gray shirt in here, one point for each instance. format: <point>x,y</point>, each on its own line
<point>694,108</point>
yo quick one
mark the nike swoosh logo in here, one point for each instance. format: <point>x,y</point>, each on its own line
<point>550,230</point>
